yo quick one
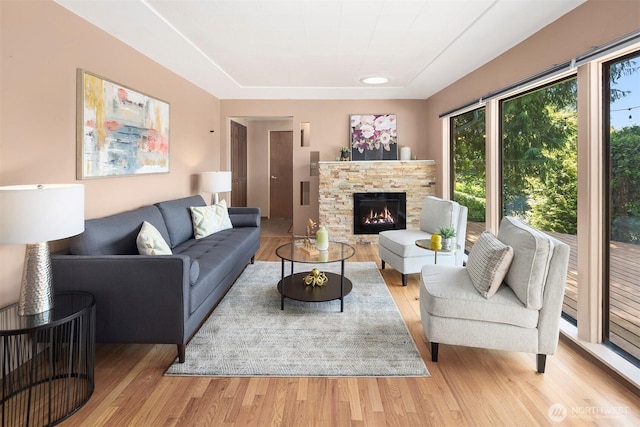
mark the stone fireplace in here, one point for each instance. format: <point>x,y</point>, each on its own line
<point>338,181</point>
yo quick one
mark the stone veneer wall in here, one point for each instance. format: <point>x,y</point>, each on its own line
<point>339,180</point>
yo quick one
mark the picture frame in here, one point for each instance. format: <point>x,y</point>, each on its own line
<point>120,131</point>
<point>373,137</point>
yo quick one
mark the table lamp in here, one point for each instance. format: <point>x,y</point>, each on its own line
<point>216,182</point>
<point>36,214</point>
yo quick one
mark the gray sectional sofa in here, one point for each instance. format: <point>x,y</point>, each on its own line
<point>159,299</point>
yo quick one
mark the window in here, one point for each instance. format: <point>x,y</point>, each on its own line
<point>539,166</point>
<point>531,172</point>
<point>469,168</point>
<point>622,150</point>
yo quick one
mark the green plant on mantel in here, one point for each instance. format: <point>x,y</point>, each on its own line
<point>447,232</point>
<point>344,153</point>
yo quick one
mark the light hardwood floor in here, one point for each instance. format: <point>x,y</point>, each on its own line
<point>467,387</point>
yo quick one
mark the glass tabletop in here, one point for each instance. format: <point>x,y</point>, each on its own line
<point>66,305</point>
<point>426,244</point>
<point>298,251</point>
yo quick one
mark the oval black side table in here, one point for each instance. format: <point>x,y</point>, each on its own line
<point>47,361</point>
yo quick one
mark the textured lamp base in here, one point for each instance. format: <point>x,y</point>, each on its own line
<point>36,289</point>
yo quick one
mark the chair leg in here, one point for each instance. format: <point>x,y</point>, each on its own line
<point>383,264</point>
<point>434,351</point>
<point>541,362</point>
<point>404,280</point>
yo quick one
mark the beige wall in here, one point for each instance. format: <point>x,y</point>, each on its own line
<point>329,121</point>
<point>42,46</point>
<point>592,24</point>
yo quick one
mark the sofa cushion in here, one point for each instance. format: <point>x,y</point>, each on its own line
<point>438,213</point>
<point>452,294</point>
<point>488,263</point>
<point>177,217</point>
<point>532,251</point>
<point>217,256</point>
<point>151,242</point>
<point>210,219</point>
<point>116,234</point>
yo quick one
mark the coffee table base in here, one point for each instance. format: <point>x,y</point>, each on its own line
<point>295,288</point>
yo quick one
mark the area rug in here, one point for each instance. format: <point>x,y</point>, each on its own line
<point>248,334</point>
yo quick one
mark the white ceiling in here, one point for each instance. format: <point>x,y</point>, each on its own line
<point>320,49</point>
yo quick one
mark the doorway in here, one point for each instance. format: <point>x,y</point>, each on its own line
<point>281,174</point>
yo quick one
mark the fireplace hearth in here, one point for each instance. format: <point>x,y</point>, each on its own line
<point>376,212</point>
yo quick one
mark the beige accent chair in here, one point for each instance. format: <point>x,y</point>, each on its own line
<point>473,306</point>
<point>398,247</point>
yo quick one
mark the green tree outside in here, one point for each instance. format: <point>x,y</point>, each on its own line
<point>539,160</point>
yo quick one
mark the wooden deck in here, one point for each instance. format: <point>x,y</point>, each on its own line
<point>624,321</point>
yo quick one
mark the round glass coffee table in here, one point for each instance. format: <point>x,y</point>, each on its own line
<point>293,285</point>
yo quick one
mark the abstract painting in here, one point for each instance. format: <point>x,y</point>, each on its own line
<point>120,131</point>
<point>373,137</point>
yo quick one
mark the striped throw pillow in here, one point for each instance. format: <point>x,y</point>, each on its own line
<point>488,263</point>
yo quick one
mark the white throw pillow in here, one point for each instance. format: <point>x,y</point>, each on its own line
<point>151,242</point>
<point>488,263</point>
<point>210,219</point>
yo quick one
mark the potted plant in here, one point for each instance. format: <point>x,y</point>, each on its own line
<point>447,233</point>
<point>344,153</point>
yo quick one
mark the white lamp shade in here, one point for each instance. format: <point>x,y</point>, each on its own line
<point>40,213</point>
<point>216,182</point>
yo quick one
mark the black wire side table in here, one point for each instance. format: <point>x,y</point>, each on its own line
<point>47,361</point>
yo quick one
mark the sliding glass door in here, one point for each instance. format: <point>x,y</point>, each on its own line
<point>622,149</point>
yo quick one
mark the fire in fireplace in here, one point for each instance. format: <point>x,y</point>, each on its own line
<point>376,212</point>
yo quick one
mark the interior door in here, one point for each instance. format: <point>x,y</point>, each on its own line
<point>238,164</point>
<point>281,174</point>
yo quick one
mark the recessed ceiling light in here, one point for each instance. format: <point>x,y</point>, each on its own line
<point>374,80</point>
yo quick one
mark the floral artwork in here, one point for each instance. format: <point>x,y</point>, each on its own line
<point>120,131</point>
<point>374,137</point>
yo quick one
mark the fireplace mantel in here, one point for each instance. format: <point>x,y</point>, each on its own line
<point>339,180</point>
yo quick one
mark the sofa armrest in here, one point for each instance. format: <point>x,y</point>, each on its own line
<point>142,299</point>
<point>244,217</point>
